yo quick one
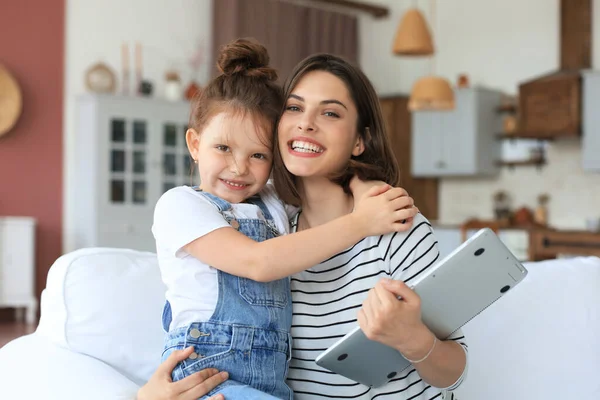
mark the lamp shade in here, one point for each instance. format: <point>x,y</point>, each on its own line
<point>413,37</point>
<point>431,93</point>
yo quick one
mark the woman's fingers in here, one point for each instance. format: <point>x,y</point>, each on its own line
<point>203,386</point>
<point>167,366</point>
<point>194,380</point>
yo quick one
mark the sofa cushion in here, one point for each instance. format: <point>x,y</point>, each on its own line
<point>31,367</point>
<point>540,341</point>
<point>106,303</point>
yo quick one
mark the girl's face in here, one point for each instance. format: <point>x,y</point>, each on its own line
<point>317,131</point>
<point>234,154</point>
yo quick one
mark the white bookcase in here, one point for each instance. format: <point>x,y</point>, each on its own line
<point>130,150</point>
<point>17,266</point>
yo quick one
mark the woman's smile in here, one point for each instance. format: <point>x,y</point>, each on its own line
<point>305,147</point>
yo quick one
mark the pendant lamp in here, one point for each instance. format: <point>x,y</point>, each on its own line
<point>413,37</point>
<point>431,93</point>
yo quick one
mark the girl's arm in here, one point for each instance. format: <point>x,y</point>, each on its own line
<point>230,251</point>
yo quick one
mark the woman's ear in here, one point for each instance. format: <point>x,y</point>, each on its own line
<point>192,139</point>
<point>359,146</point>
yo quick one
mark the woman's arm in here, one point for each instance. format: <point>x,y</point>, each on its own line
<point>161,387</point>
<point>228,250</point>
<point>391,314</point>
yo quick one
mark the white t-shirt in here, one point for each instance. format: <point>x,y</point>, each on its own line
<point>327,297</point>
<point>181,216</point>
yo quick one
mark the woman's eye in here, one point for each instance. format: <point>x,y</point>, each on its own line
<point>260,156</point>
<point>292,108</point>
<point>331,114</point>
<point>222,147</point>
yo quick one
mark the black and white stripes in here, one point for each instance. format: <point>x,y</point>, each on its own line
<point>327,297</point>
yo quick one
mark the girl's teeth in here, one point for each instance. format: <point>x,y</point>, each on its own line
<point>235,184</point>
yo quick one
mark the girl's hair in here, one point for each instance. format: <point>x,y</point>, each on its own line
<point>377,162</point>
<point>246,85</point>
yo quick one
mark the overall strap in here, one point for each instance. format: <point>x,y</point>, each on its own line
<point>258,201</point>
<point>222,205</point>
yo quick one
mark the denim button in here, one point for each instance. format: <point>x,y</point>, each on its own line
<point>234,224</point>
<point>193,356</point>
<point>195,333</point>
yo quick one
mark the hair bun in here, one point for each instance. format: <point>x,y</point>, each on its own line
<point>247,58</point>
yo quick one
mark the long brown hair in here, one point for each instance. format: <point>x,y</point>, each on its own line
<point>377,162</point>
<point>246,85</point>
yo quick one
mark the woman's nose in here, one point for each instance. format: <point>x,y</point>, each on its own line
<point>306,124</point>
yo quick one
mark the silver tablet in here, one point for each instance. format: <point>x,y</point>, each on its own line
<point>454,291</point>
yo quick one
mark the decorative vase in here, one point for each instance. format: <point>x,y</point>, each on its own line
<point>172,86</point>
<point>192,90</point>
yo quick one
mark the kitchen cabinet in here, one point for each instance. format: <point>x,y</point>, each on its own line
<point>460,142</point>
<point>591,122</point>
<point>397,119</point>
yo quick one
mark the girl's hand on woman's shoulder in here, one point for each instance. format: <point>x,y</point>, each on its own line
<point>161,387</point>
<point>383,208</point>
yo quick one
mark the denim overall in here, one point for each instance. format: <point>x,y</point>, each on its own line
<point>248,334</point>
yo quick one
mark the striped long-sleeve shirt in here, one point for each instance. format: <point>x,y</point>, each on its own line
<point>326,299</point>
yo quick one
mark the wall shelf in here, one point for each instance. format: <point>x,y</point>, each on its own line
<point>525,135</point>
<point>522,163</point>
<point>507,108</point>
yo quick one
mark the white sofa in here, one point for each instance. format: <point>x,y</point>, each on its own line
<point>100,336</point>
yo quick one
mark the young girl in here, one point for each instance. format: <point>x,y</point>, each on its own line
<point>228,294</point>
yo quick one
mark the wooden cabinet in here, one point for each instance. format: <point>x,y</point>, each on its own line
<point>17,266</point>
<point>515,239</point>
<point>461,142</point>
<point>130,150</point>
<point>591,122</point>
<point>398,124</point>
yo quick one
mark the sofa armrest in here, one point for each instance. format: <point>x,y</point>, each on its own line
<point>32,367</point>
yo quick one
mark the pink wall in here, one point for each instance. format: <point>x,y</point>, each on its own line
<point>31,155</point>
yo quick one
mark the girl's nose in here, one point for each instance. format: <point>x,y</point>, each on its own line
<point>238,167</point>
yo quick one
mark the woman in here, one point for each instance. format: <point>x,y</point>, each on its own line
<point>332,129</point>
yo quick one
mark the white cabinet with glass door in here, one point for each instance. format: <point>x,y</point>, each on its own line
<point>130,150</point>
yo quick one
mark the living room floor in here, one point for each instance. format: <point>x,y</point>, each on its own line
<point>13,330</point>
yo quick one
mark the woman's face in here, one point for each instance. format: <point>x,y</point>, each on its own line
<point>317,131</point>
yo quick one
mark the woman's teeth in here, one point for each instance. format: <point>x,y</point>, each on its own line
<point>305,147</point>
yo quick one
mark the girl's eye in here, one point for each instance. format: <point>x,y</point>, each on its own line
<point>260,156</point>
<point>292,108</point>
<point>222,147</point>
<point>331,114</point>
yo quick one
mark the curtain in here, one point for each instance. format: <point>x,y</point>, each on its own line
<point>290,32</point>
